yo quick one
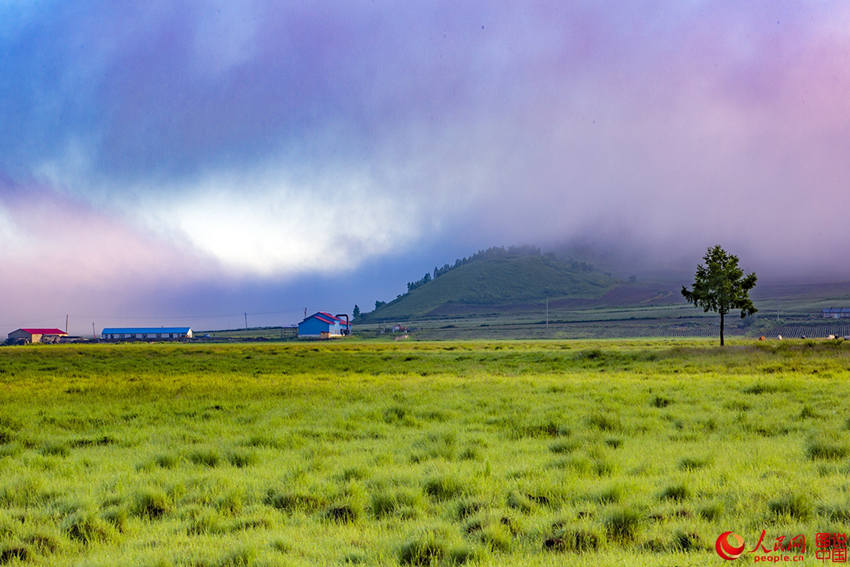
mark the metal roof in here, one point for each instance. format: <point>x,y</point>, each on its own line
<point>44,331</point>
<point>837,310</point>
<point>326,317</point>
<point>144,330</point>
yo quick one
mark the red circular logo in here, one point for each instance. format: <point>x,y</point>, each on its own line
<point>729,546</point>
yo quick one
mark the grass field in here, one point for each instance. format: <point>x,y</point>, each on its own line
<point>632,452</point>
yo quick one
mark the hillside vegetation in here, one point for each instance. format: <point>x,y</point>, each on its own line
<point>496,276</point>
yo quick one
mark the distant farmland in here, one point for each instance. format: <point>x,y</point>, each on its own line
<point>636,452</point>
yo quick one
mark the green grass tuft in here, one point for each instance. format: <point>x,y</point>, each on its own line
<point>443,487</point>
<point>55,449</point>
<point>151,504</point>
<point>10,552</point>
<point>205,457</point>
<point>623,524</point>
<point>293,501</point>
<point>425,549</point>
<point>693,464</point>
<point>796,506</point>
<point>573,540</point>
<point>676,492</point>
<point>827,448</point>
<point>241,459</point>
<point>84,526</point>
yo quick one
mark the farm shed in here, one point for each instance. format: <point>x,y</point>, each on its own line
<point>836,313</point>
<point>36,335</point>
<point>323,325</point>
<point>146,333</point>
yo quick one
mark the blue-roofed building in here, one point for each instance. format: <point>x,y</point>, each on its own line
<point>323,325</point>
<point>836,312</point>
<point>146,333</point>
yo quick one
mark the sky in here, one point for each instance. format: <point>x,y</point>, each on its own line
<point>190,162</point>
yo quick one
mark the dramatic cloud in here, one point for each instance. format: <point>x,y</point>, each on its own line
<point>262,143</point>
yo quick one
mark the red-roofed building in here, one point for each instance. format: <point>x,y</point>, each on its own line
<point>36,335</point>
<point>323,325</point>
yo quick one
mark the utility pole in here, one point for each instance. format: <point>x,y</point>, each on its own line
<point>93,332</point>
<point>246,319</point>
<point>305,312</point>
<point>66,322</point>
<point>547,313</point>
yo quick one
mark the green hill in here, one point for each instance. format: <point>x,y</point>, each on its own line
<point>497,277</point>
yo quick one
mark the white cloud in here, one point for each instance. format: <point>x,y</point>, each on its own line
<point>266,224</point>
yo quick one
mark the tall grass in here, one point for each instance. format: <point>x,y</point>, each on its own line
<point>479,453</point>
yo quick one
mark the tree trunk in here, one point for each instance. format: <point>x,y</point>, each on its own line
<point>722,321</point>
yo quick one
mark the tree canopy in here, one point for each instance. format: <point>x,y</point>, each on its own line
<point>720,286</point>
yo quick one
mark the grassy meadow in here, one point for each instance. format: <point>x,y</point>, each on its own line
<point>631,452</point>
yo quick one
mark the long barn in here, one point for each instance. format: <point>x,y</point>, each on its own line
<point>146,333</point>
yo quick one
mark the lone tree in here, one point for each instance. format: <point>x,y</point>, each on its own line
<point>720,285</point>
